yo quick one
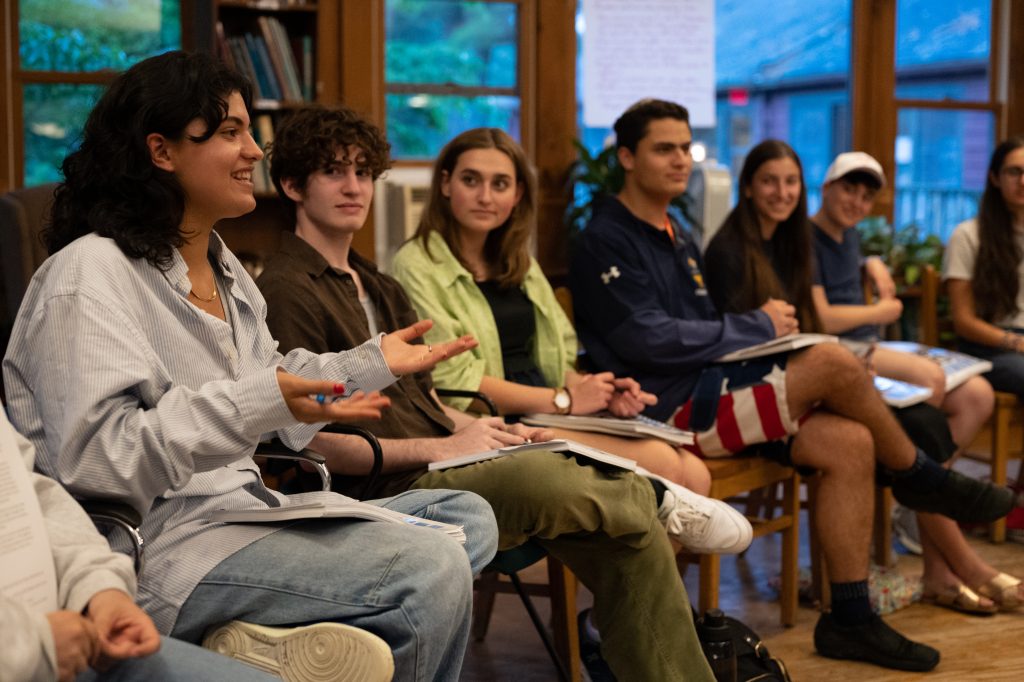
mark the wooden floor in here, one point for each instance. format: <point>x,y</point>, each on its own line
<point>973,648</point>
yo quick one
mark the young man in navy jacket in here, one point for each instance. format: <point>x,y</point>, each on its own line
<point>642,310</point>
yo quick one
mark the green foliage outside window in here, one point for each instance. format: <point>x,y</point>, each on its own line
<point>448,42</point>
<point>80,36</point>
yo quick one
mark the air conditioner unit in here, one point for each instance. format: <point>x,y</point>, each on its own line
<point>711,185</point>
<point>402,205</point>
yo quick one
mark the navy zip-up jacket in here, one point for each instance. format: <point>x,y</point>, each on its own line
<point>642,310</point>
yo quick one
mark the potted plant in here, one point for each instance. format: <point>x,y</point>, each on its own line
<point>903,250</point>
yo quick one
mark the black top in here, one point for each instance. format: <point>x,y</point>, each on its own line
<point>514,317</point>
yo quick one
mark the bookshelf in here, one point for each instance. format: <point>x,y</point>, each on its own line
<point>273,43</point>
<point>347,54</point>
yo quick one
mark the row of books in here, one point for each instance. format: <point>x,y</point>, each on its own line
<point>268,60</point>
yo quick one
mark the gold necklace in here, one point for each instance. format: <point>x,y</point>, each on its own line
<point>204,300</point>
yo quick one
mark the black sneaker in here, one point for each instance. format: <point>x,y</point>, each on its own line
<point>873,642</point>
<point>959,497</point>
<point>590,652</point>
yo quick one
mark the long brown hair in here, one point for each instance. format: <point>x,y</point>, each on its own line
<point>995,282</point>
<point>793,248</point>
<point>508,247</point>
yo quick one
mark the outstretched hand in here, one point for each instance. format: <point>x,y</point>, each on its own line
<point>404,357</point>
<point>301,396</point>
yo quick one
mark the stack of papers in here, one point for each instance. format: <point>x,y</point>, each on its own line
<point>568,447</point>
<point>637,427</point>
<point>897,393</point>
<point>959,367</point>
<point>780,345</point>
<point>341,508</point>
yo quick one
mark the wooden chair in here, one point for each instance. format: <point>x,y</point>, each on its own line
<point>1007,405</point>
<point>742,475</point>
<point>735,476</point>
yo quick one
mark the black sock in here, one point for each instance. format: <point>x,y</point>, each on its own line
<point>659,491</point>
<point>850,603</point>
<point>923,475</point>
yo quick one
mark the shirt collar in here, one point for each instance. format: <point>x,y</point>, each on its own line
<point>314,263</point>
<point>177,274</point>
<point>448,268</point>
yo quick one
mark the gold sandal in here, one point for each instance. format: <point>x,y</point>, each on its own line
<point>960,598</point>
<point>1003,590</point>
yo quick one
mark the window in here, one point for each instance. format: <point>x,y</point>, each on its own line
<point>945,121</point>
<point>788,81</point>
<point>450,65</point>
<point>67,51</point>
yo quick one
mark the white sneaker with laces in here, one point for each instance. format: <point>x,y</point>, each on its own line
<point>703,525</point>
<point>320,652</point>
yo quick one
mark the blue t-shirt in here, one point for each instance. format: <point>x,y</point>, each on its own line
<point>839,272</point>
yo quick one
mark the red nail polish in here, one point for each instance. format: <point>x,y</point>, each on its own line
<point>339,389</point>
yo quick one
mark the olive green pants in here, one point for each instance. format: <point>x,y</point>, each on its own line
<point>603,525</point>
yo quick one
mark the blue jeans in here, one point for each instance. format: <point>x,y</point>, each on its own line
<point>178,662</point>
<point>412,587</point>
<point>1007,372</point>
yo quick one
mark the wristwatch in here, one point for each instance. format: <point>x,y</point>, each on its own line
<point>562,400</point>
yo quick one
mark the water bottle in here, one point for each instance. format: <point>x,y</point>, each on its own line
<point>716,641</point>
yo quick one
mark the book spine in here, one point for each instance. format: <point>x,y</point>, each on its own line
<point>223,49</point>
<point>267,67</point>
<point>307,69</point>
<point>244,62</point>
<point>287,59</point>
<point>273,54</point>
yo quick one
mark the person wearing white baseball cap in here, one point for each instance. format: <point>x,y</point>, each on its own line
<point>954,575</point>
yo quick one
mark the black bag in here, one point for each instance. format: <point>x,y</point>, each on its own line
<point>753,662</point>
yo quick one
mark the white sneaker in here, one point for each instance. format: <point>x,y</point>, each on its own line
<point>703,525</point>
<point>904,527</point>
<point>315,653</point>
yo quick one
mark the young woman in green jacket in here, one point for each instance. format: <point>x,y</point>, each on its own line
<point>469,268</point>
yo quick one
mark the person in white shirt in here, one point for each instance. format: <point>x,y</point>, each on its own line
<point>97,633</point>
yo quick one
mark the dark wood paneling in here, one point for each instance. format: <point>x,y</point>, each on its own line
<point>555,128</point>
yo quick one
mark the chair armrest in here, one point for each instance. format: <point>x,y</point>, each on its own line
<point>277,450</point>
<point>375,448</point>
<point>492,409</point>
<point>123,516</point>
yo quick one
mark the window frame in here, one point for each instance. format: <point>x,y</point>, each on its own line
<point>525,88</point>
<point>875,108</point>
<point>13,80</point>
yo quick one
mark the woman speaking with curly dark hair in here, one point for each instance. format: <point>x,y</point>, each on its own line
<point>142,370</point>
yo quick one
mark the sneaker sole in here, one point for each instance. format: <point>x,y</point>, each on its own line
<point>321,652</point>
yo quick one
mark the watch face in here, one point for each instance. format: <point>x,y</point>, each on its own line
<point>562,399</point>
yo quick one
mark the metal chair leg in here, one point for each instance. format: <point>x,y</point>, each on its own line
<point>563,673</point>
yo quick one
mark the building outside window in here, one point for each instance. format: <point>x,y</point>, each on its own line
<point>785,74</point>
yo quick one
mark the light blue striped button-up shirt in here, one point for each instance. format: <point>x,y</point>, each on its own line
<point>130,392</point>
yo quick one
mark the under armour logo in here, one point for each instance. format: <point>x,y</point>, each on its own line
<point>613,273</point>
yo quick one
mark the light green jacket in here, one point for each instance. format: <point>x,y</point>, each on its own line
<point>444,291</point>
